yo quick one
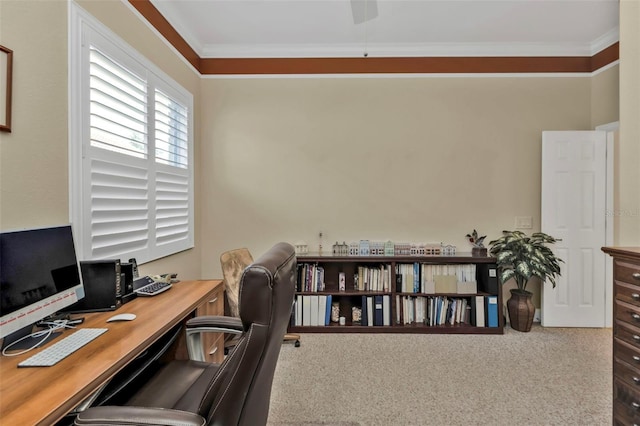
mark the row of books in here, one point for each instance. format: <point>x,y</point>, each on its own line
<point>312,310</point>
<point>310,277</point>
<point>316,310</point>
<point>374,278</point>
<point>435,278</point>
<point>478,311</point>
<point>376,310</point>
<point>409,278</point>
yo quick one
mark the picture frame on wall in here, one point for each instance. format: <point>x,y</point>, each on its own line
<point>6,71</point>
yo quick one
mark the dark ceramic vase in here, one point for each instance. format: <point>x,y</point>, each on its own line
<point>521,310</point>
<point>478,251</point>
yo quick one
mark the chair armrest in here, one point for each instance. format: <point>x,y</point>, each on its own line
<point>208,324</point>
<point>217,323</point>
<point>112,415</point>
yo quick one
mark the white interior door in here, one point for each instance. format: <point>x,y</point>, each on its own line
<point>574,210</point>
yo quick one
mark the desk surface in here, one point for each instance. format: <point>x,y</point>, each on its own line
<point>42,395</point>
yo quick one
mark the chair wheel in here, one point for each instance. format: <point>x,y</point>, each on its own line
<point>297,344</point>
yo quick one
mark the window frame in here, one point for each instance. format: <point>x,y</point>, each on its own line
<point>85,30</point>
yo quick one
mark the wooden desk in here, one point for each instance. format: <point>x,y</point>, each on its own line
<point>43,395</point>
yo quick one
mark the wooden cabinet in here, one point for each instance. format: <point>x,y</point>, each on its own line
<point>404,309</point>
<point>213,343</point>
<point>626,334</point>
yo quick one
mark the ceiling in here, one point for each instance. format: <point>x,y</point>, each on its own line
<point>418,28</point>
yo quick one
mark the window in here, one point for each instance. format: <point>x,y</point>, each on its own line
<point>131,145</point>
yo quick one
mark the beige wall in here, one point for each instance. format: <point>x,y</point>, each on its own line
<point>34,161</point>
<point>34,156</point>
<point>605,105</point>
<point>627,174</point>
<point>416,159</point>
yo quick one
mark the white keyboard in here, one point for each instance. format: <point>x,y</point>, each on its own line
<point>62,348</point>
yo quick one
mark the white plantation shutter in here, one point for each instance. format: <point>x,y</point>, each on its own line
<point>117,106</point>
<point>172,207</point>
<point>172,167</point>
<point>134,142</point>
<point>119,206</point>
<point>171,131</point>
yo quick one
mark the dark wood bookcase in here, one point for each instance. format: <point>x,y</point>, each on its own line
<point>486,278</point>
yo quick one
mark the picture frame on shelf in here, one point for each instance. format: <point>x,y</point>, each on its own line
<point>6,75</point>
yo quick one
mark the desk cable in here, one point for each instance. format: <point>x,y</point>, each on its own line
<point>52,326</point>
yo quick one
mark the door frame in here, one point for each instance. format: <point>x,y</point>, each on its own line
<point>610,128</point>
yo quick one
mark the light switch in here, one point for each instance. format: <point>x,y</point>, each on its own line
<point>524,222</point>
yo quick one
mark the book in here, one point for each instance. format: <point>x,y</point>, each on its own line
<point>327,313</point>
<point>398,279</point>
<point>314,310</point>
<point>306,310</point>
<point>309,278</point>
<point>370,311</point>
<point>386,309</point>
<point>300,275</point>
<point>477,311</point>
<point>492,311</point>
<point>493,286</point>
<point>319,278</point>
<point>378,311</point>
<point>322,310</point>
<point>298,310</point>
<point>363,318</point>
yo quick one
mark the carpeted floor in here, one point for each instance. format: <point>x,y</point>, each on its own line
<point>549,376</point>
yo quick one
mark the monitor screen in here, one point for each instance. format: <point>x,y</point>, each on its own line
<point>39,276</point>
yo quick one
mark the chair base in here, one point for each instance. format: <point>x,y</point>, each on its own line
<point>292,337</point>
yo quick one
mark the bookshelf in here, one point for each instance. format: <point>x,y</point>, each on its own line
<point>402,304</point>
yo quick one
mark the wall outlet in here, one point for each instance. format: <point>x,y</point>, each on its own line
<point>524,222</point>
<point>536,315</point>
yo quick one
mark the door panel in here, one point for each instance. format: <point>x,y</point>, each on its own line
<point>573,210</point>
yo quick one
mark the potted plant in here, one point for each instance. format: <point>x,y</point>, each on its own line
<point>478,248</point>
<point>523,257</point>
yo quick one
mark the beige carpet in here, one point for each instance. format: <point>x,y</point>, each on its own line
<point>548,376</point>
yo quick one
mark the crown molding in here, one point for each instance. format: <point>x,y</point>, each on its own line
<point>380,59</point>
<point>604,41</point>
<point>404,50</point>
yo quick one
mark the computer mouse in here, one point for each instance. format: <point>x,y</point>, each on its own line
<point>122,317</point>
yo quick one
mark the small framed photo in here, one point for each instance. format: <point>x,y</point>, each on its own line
<point>6,70</point>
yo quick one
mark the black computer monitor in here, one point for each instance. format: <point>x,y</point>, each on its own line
<point>39,276</point>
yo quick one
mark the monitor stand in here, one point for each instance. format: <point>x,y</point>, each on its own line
<point>26,342</point>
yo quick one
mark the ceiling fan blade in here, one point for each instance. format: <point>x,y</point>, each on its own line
<point>364,10</point>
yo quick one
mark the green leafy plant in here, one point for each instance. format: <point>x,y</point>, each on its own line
<point>475,240</point>
<point>521,257</point>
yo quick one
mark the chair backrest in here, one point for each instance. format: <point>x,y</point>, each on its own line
<point>240,392</point>
<point>233,263</point>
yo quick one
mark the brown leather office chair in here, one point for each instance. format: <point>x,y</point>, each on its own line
<point>233,262</point>
<point>236,392</point>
